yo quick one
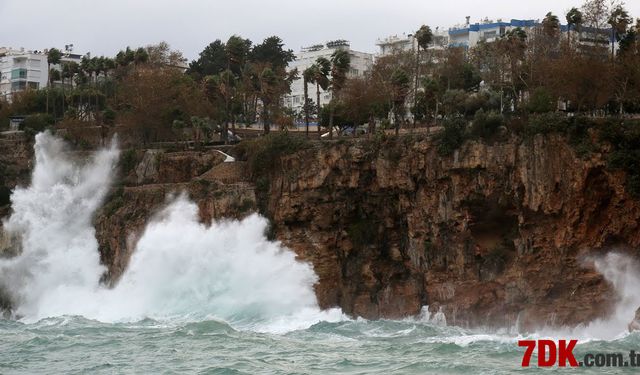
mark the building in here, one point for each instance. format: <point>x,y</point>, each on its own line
<point>468,35</point>
<point>21,69</point>
<point>407,42</point>
<point>361,62</point>
<point>590,40</point>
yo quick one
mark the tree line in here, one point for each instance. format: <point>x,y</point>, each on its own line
<point>548,68</point>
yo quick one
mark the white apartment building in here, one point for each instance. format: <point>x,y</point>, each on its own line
<point>361,62</point>
<point>407,42</point>
<point>468,35</point>
<point>21,69</point>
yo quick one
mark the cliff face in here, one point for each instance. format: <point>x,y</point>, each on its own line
<point>150,178</point>
<point>489,233</point>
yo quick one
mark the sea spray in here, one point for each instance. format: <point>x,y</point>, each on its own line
<point>58,266</point>
<point>623,273</point>
<point>180,270</point>
<point>183,269</point>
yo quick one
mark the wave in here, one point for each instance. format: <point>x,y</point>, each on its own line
<point>181,270</point>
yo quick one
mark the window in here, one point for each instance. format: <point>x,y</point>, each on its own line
<point>33,85</point>
<point>18,86</point>
<point>19,74</point>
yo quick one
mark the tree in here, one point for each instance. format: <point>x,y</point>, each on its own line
<point>551,25</point>
<point>53,57</point>
<point>307,76</point>
<point>596,14</point>
<point>213,60</point>
<point>340,64</point>
<point>237,52</point>
<point>220,91</point>
<point>271,51</point>
<point>321,74</point>
<point>268,91</point>
<point>574,18</point>
<point>619,21</point>
<point>424,36</point>
<point>161,54</point>
<point>400,84</point>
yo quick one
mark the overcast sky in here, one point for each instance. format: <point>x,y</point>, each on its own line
<point>106,26</point>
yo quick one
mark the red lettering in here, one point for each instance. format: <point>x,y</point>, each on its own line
<point>531,345</point>
<point>565,353</point>
<point>543,345</point>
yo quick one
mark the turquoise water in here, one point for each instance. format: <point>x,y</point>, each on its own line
<point>75,345</point>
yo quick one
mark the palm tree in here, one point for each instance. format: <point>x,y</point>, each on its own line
<point>227,85</point>
<point>340,64</point>
<point>619,21</point>
<point>424,36</point>
<point>321,79</point>
<point>574,18</point>
<point>307,77</point>
<point>551,24</point>
<point>268,81</point>
<point>53,57</point>
<point>400,83</point>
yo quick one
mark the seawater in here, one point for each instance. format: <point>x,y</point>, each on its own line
<point>75,345</point>
<point>219,298</point>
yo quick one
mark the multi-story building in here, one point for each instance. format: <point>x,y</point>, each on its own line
<point>361,62</point>
<point>407,42</point>
<point>468,35</point>
<point>21,69</point>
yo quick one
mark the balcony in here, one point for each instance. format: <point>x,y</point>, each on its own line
<point>19,74</point>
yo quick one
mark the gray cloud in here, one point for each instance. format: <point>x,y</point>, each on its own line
<point>104,27</point>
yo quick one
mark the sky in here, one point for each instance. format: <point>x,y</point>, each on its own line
<point>106,26</point>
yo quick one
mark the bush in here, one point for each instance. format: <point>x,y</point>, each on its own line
<point>38,122</point>
<point>452,136</point>
<point>625,139</point>
<point>486,125</point>
<point>546,123</point>
<point>263,154</point>
<point>128,161</point>
<point>540,101</point>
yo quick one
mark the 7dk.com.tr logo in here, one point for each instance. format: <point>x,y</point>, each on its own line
<point>550,354</point>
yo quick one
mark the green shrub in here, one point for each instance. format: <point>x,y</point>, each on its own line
<point>624,138</point>
<point>540,101</point>
<point>263,154</point>
<point>128,161</point>
<point>546,123</point>
<point>452,136</point>
<point>38,122</point>
<point>486,125</point>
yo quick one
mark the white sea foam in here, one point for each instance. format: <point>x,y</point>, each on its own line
<point>181,270</point>
<point>623,273</point>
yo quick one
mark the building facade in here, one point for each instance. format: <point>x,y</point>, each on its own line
<point>469,35</point>
<point>21,70</point>
<point>407,42</point>
<point>361,62</point>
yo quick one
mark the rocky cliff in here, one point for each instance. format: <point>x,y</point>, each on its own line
<point>489,233</point>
